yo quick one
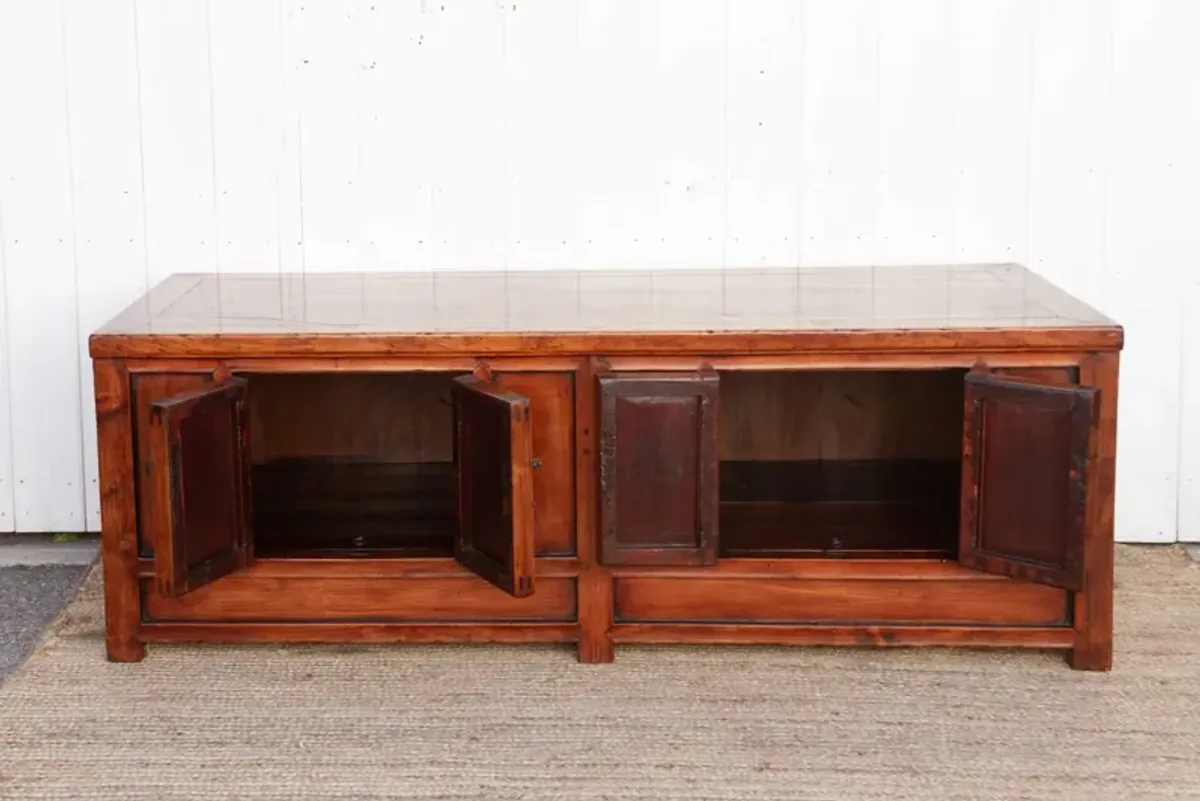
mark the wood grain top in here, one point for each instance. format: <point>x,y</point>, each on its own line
<point>601,302</point>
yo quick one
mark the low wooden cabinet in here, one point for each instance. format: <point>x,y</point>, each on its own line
<point>910,456</point>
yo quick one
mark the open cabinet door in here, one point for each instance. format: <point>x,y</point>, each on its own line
<point>199,486</point>
<point>493,471</point>
<point>1026,456</point>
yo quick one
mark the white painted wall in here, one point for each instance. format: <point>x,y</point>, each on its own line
<point>141,137</point>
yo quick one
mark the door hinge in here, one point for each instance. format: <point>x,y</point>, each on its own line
<point>483,370</point>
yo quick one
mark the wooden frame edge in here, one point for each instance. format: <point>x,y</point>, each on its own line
<point>118,511</point>
<point>496,344</point>
<point>595,586</point>
<point>1093,647</point>
<point>359,633</point>
<point>844,635</point>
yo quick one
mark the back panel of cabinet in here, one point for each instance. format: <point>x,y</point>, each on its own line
<point>358,462</point>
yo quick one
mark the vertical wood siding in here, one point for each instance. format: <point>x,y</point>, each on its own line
<point>142,137</point>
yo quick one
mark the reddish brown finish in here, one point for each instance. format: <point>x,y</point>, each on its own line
<point>840,414</point>
<point>209,346</point>
<point>200,486</point>
<point>843,390</point>
<point>118,512</point>
<point>370,417</point>
<point>754,601</point>
<point>146,390</point>
<point>1025,465</point>
<point>596,617</point>
<point>864,309</point>
<point>1042,376</point>
<point>876,636</point>
<point>921,357</point>
<point>246,597</point>
<point>596,583</point>
<point>493,465</point>
<point>870,569</point>
<point>341,632</point>
<point>1094,606</point>
<point>658,469</point>
<point>552,407</point>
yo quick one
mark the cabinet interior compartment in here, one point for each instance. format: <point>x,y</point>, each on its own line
<point>840,463</point>
<point>352,464</point>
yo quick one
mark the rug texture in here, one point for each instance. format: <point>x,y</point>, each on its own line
<point>507,722</point>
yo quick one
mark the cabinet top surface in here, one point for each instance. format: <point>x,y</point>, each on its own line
<point>831,299</point>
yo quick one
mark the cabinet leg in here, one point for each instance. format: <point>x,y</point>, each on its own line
<point>596,650</point>
<point>595,617</point>
<point>1094,605</point>
<point>125,650</point>
<point>118,513</point>
<point>1096,657</point>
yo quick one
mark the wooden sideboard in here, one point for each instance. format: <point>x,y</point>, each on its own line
<point>903,456</point>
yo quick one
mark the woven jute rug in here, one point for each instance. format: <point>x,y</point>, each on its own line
<point>501,722</point>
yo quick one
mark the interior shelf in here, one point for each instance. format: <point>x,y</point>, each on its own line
<point>346,506</point>
<point>885,508</point>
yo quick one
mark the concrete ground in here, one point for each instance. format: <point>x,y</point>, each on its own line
<point>38,575</point>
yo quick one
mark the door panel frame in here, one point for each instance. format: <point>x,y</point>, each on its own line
<point>486,402</point>
<point>1076,405</point>
<point>704,386</point>
<point>178,574</point>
